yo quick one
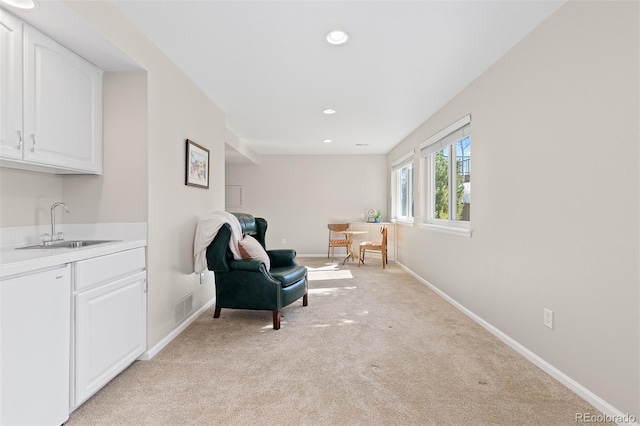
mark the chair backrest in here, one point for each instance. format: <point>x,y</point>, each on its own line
<point>337,227</point>
<point>218,253</point>
<point>247,223</point>
<point>384,232</point>
<point>254,226</point>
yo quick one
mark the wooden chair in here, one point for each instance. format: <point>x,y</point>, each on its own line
<point>336,240</point>
<point>380,246</point>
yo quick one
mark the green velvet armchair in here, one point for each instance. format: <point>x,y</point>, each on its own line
<point>247,284</point>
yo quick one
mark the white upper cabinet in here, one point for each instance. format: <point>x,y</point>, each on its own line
<point>63,106</point>
<point>51,116</point>
<point>10,86</point>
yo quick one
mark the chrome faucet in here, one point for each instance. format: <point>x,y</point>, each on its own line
<point>54,237</point>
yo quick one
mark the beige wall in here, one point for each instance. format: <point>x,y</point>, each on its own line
<point>120,194</point>
<point>300,194</point>
<point>27,197</point>
<point>176,110</point>
<point>555,211</point>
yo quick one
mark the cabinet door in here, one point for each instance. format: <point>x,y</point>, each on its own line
<point>110,332</point>
<point>63,106</point>
<point>35,319</point>
<point>10,86</point>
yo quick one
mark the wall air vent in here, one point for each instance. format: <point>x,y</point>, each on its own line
<point>183,308</point>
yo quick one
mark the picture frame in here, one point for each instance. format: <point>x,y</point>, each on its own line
<point>197,165</point>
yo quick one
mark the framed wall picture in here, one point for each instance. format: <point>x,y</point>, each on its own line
<point>197,168</point>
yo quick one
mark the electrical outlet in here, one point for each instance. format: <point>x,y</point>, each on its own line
<point>548,317</point>
<point>284,241</point>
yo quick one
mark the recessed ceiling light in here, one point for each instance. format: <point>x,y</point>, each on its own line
<point>327,141</point>
<point>337,37</point>
<point>20,4</point>
<point>329,111</point>
<point>362,144</point>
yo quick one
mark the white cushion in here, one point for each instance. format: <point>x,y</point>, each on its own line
<point>250,248</point>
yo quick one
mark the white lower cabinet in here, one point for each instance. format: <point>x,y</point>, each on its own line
<point>110,319</point>
<point>34,343</point>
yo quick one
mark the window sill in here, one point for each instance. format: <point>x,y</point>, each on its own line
<point>462,232</point>
<point>403,222</point>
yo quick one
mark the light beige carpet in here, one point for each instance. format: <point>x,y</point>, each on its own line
<point>376,349</point>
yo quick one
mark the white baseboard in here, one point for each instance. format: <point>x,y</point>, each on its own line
<point>146,356</point>
<point>611,413</point>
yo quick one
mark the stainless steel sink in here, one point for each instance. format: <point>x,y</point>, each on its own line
<point>68,244</point>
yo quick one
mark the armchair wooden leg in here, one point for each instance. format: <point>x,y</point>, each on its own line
<point>216,312</point>
<point>305,299</point>
<point>276,320</point>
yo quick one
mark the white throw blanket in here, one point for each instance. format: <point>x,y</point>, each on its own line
<point>206,231</point>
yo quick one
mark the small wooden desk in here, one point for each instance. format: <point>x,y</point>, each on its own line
<point>349,235</point>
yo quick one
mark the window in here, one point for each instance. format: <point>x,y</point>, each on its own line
<point>446,160</point>
<point>402,188</point>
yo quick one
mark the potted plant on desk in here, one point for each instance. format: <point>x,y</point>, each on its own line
<point>377,217</point>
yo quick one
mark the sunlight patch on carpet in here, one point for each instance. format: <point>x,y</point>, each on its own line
<point>329,275</point>
<point>330,290</point>
<point>328,272</point>
<point>336,322</point>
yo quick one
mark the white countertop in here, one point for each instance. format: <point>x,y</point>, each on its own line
<point>14,261</point>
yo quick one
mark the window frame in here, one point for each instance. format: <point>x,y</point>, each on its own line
<point>402,163</point>
<point>428,150</point>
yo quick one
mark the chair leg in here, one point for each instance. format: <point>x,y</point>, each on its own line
<point>276,320</point>
<point>216,312</point>
<point>383,258</point>
<point>305,299</point>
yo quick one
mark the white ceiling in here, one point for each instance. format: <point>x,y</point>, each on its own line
<point>267,65</point>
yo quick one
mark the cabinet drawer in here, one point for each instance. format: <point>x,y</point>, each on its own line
<point>98,270</point>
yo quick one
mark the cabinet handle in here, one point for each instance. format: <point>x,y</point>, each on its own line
<point>33,139</point>
<point>19,147</point>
